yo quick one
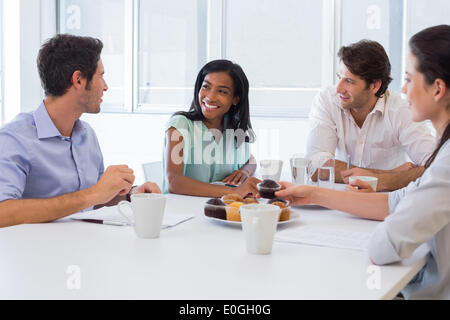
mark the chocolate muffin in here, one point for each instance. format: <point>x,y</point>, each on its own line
<point>267,188</point>
<point>215,208</point>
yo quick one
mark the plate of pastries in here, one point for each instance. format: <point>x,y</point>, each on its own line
<point>226,208</point>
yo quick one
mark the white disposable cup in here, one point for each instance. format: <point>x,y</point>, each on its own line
<point>148,212</point>
<point>271,169</point>
<point>259,222</point>
<point>372,181</point>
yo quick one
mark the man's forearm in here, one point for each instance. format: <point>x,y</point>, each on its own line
<point>111,203</point>
<point>342,166</point>
<point>13,212</point>
<point>389,181</point>
<point>338,167</point>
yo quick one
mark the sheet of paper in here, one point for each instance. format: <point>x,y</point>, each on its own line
<point>325,237</point>
<point>112,214</point>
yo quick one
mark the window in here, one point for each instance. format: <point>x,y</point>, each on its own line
<point>279,45</point>
<point>108,20</point>
<point>378,20</point>
<point>154,49</point>
<point>422,14</point>
<point>172,47</point>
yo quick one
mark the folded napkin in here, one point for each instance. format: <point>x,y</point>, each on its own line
<point>111,215</point>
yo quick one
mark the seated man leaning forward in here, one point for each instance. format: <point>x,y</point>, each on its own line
<point>362,119</point>
<point>50,161</point>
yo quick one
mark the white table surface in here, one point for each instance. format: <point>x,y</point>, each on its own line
<point>198,259</point>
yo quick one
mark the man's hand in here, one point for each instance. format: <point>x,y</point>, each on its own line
<point>116,180</point>
<point>148,187</point>
<point>404,167</point>
<point>356,171</point>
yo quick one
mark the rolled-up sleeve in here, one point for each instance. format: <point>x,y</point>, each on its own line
<point>14,166</point>
<point>322,135</point>
<point>381,249</point>
<point>420,211</point>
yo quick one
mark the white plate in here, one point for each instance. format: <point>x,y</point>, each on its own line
<point>294,216</point>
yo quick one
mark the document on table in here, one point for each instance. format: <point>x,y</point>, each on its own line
<point>112,215</point>
<point>324,237</point>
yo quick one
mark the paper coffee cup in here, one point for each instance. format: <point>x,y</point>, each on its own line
<point>259,223</point>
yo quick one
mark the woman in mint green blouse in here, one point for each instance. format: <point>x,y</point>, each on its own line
<point>210,143</point>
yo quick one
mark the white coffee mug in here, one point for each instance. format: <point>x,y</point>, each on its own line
<point>259,222</point>
<point>148,212</point>
<point>271,169</point>
<point>372,181</point>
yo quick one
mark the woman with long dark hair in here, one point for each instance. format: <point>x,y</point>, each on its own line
<point>210,142</point>
<point>420,212</point>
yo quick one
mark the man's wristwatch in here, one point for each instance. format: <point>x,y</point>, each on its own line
<point>132,191</point>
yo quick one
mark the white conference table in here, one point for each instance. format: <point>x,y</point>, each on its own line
<point>198,259</point>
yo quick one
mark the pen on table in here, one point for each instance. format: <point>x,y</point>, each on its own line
<point>224,184</point>
<point>113,223</point>
<point>230,185</point>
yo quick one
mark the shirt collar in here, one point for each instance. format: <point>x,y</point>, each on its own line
<point>47,129</point>
<point>380,106</point>
<point>44,125</point>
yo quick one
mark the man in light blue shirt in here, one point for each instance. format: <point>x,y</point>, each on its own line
<point>38,162</point>
<point>51,164</point>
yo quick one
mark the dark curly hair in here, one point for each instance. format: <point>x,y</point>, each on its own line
<point>62,55</point>
<point>368,60</point>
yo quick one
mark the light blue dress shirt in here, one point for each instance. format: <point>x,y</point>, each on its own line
<point>36,161</point>
<point>420,213</point>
